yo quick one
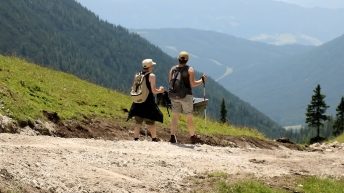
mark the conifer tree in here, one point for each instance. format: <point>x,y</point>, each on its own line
<point>339,123</point>
<point>223,112</point>
<point>315,115</point>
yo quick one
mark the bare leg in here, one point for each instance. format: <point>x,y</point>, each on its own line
<point>174,123</point>
<point>152,130</point>
<point>190,124</point>
<point>137,130</point>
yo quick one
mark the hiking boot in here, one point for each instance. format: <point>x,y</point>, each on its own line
<point>156,139</point>
<point>173,139</point>
<point>195,139</point>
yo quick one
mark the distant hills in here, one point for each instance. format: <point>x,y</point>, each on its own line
<point>264,20</point>
<point>278,80</point>
<point>63,35</point>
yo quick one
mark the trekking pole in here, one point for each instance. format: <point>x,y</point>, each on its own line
<point>205,108</point>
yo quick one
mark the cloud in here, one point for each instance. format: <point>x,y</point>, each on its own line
<point>286,39</point>
<point>227,72</point>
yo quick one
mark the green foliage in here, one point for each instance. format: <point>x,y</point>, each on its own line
<point>339,123</point>
<point>63,35</point>
<point>246,187</point>
<point>305,133</point>
<point>223,112</point>
<point>26,90</point>
<point>340,138</point>
<point>316,185</point>
<point>223,184</point>
<point>315,115</point>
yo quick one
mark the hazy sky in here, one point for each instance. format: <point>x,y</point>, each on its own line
<point>268,21</point>
<point>317,3</point>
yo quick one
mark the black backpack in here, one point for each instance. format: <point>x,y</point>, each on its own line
<point>177,88</point>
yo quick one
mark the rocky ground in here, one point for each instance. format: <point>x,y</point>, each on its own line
<point>30,162</point>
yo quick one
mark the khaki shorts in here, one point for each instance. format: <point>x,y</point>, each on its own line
<point>139,120</point>
<point>184,105</point>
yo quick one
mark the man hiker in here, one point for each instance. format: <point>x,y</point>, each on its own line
<point>183,77</point>
<point>147,110</point>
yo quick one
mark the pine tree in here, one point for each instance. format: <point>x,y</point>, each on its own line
<point>223,112</point>
<point>315,115</point>
<point>339,123</point>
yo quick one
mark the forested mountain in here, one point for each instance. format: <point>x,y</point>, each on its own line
<point>278,80</point>
<point>63,35</point>
<point>295,78</point>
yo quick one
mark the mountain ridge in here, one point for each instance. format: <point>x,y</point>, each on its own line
<point>260,73</point>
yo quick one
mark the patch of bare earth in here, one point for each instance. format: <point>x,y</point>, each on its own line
<point>97,155</point>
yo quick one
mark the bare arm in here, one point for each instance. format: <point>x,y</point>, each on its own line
<point>193,82</point>
<point>152,81</point>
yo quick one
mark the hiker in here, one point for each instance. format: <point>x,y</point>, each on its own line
<point>148,110</point>
<point>181,98</point>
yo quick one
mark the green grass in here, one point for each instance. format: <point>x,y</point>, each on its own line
<point>340,138</point>
<point>27,89</point>
<point>219,182</point>
<point>317,185</point>
<point>246,187</point>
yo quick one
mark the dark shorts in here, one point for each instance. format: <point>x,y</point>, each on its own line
<point>139,120</point>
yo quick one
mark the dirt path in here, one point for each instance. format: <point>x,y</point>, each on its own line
<point>55,164</point>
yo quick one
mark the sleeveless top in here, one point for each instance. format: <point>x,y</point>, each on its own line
<point>148,109</point>
<point>184,71</point>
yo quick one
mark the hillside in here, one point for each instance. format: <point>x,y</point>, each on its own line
<point>263,74</point>
<point>295,79</point>
<point>78,108</point>
<point>65,36</point>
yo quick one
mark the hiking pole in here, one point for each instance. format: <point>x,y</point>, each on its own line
<point>205,108</point>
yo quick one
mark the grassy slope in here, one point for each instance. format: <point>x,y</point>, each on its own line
<point>340,138</point>
<point>27,89</point>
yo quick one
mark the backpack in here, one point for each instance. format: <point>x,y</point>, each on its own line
<point>139,90</point>
<point>177,88</point>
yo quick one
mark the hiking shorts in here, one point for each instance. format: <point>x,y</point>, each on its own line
<point>139,120</point>
<point>184,105</point>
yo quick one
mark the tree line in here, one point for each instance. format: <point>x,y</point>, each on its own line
<point>320,126</point>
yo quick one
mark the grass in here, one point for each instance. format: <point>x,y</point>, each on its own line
<point>340,138</point>
<point>27,89</point>
<point>317,185</point>
<point>246,187</point>
<point>219,182</point>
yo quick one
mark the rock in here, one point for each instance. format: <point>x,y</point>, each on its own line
<point>27,131</point>
<point>5,174</point>
<point>7,125</point>
<point>44,128</point>
<point>284,140</point>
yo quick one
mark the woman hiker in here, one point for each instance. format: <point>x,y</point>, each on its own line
<point>147,111</point>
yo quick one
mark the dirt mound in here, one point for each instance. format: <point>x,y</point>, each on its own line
<point>114,129</point>
<point>111,130</point>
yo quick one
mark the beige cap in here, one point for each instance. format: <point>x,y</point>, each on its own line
<point>146,63</point>
<point>183,54</point>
